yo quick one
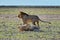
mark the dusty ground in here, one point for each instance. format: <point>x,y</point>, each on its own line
<point>47,33</point>
<point>41,16</point>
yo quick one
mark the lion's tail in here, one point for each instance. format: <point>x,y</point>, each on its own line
<point>45,21</point>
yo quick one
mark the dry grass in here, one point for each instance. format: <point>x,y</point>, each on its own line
<point>9,23</point>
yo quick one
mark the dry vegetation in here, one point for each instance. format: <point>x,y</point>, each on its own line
<point>9,24</point>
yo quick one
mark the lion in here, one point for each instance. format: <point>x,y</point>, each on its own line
<point>26,18</point>
<point>28,27</point>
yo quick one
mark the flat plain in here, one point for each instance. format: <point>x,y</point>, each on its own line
<point>9,23</point>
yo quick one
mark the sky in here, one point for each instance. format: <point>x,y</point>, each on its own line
<point>30,2</point>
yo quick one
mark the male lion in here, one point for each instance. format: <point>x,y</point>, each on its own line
<point>30,18</point>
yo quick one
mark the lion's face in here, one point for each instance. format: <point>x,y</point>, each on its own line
<point>19,16</point>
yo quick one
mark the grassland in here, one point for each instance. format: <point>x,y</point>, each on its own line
<point>9,24</point>
<point>30,10</point>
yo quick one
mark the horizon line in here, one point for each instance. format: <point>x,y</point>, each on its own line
<point>32,6</point>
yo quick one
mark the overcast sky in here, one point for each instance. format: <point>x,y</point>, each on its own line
<point>31,2</point>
